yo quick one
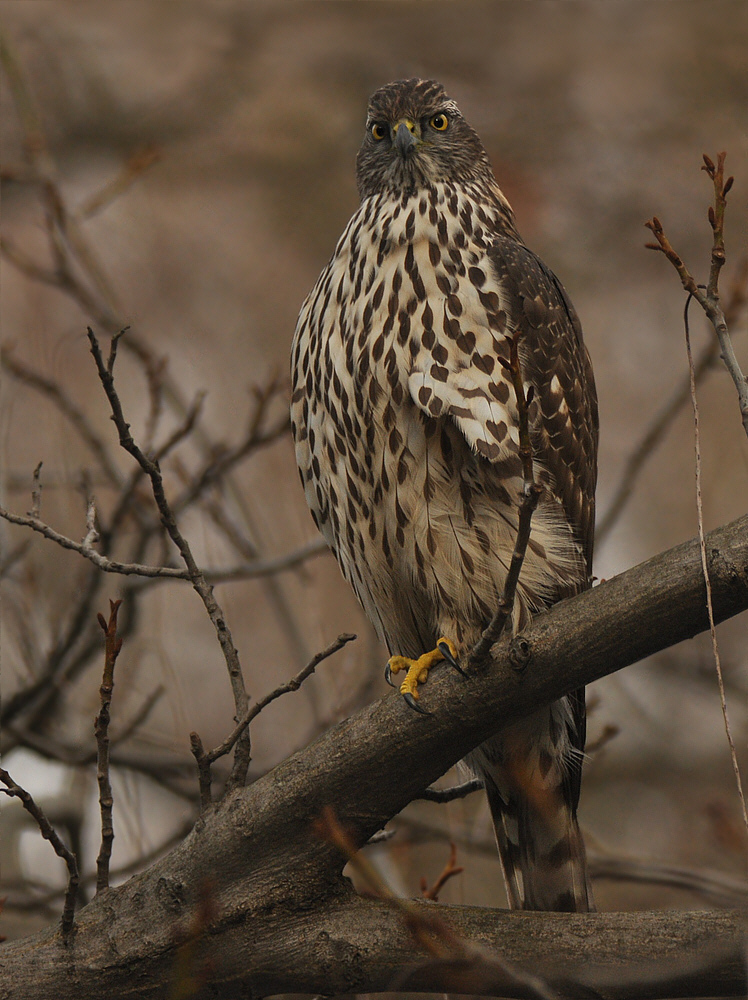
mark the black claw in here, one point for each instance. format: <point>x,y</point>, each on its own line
<point>388,676</point>
<point>447,654</point>
<point>414,704</point>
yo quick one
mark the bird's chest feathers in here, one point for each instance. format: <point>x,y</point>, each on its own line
<point>414,296</point>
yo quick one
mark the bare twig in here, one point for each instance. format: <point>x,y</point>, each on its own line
<point>449,871</point>
<point>61,850</point>
<point>705,566</point>
<point>709,299</point>
<point>113,645</point>
<point>204,760</point>
<point>197,578</point>
<point>530,495</point>
<point>241,571</point>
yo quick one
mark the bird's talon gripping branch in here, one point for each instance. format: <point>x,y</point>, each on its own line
<point>418,670</point>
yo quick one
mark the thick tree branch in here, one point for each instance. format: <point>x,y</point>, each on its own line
<point>285,920</point>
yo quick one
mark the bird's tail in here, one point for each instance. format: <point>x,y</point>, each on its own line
<point>540,845</point>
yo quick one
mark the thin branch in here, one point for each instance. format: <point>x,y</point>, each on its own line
<point>705,565</point>
<point>709,300</point>
<point>204,760</point>
<point>61,850</point>
<point>113,645</point>
<point>450,794</point>
<point>531,492</point>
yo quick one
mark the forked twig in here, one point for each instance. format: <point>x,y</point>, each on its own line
<point>449,871</point>
<point>531,492</point>
<point>61,850</point>
<point>709,299</point>
<point>112,647</point>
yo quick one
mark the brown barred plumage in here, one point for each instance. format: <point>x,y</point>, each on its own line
<point>405,426</point>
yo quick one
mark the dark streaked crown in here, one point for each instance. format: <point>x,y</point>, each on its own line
<point>454,153</point>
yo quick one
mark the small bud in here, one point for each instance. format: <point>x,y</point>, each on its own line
<point>728,185</point>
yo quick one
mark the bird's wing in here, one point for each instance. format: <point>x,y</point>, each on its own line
<point>457,373</point>
<point>555,361</point>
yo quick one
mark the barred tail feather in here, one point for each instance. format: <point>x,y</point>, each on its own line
<point>541,850</point>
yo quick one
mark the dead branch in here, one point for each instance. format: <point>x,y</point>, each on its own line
<point>49,833</point>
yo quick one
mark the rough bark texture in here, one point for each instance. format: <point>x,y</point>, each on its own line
<point>282,919</point>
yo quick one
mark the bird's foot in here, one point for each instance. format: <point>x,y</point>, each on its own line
<point>417,671</point>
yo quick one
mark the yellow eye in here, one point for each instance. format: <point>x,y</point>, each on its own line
<point>440,123</point>
<point>378,131</point>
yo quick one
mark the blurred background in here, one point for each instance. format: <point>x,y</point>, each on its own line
<point>194,163</point>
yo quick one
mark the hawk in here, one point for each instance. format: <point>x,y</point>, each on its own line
<point>406,432</point>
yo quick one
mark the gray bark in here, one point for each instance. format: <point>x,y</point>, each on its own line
<point>282,919</point>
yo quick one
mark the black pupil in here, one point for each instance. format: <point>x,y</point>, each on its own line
<point>439,121</point>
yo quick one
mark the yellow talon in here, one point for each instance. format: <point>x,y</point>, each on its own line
<point>418,670</point>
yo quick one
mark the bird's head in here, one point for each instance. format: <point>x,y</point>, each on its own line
<point>415,137</point>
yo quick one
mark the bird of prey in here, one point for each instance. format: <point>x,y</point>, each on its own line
<point>406,430</point>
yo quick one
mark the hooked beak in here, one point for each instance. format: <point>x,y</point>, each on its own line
<point>405,137</point>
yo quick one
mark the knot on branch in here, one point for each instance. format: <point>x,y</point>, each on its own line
<point>520,653</point>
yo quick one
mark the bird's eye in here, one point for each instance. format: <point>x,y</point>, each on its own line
<point>440,122</point>
<point>378,131</point>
